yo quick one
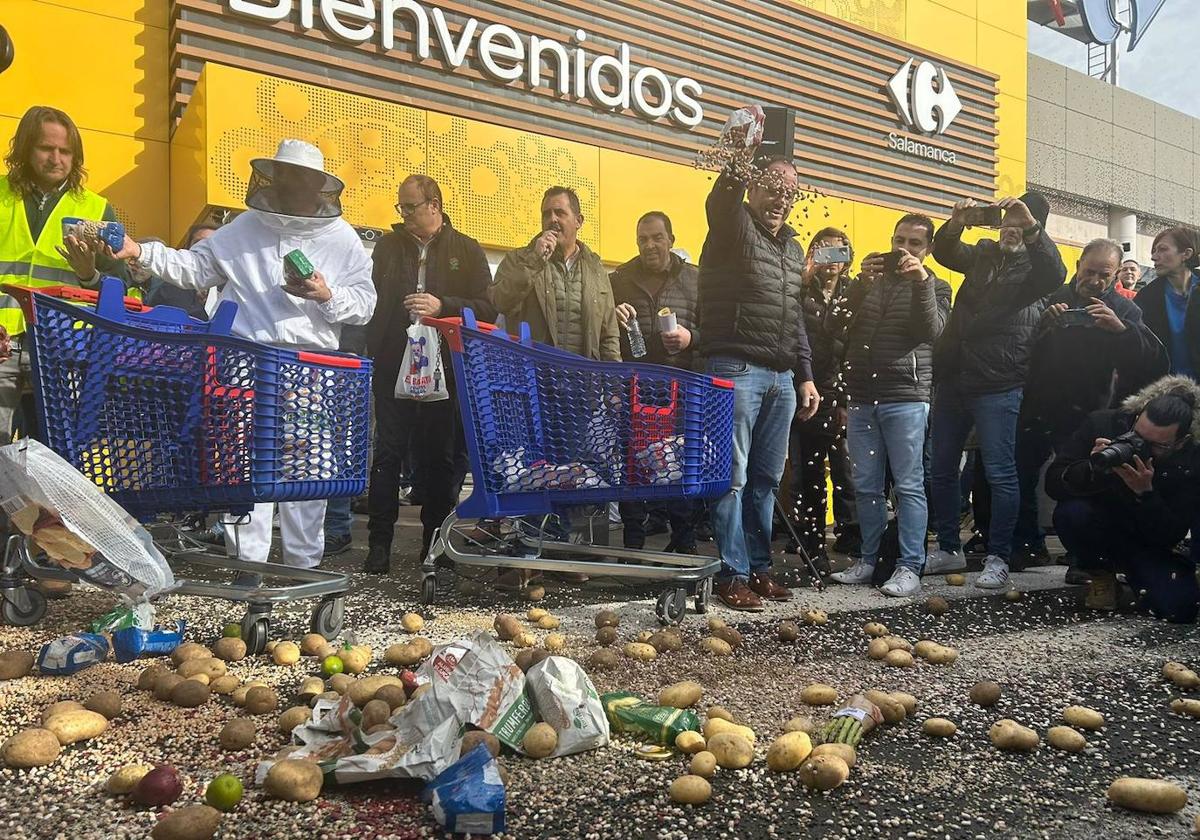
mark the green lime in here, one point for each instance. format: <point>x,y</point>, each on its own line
<point>332,665</point>
<point>232,630</point>
<point>224,792</point>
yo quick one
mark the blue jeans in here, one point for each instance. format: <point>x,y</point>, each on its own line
<point>764,402</point>
<point>338,517</point>
<point>878,436</point>
<point>994,417</point>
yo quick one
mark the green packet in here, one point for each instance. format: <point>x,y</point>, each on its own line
<point>628,712</point>
<point>120,618</point>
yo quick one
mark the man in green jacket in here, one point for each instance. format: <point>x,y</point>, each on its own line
<point>558,285</point>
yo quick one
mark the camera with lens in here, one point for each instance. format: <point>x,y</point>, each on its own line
<point>1121,450</point>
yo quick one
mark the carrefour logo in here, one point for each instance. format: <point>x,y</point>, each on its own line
<point>565,67</point>
<point>924,96</point>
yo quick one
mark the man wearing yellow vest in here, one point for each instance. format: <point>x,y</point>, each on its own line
<point>43,186</point>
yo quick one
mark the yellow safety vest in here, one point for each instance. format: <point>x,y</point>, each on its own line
<point>28,263</point>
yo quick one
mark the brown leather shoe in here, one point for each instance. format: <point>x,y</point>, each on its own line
<point>737,596</point>
<point>763,585</point>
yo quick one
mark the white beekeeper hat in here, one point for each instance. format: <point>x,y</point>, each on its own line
<point>261,192</point>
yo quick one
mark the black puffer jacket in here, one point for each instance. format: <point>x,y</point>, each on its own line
<point>985,346</point>
<point>631,284</point>
<point>750,287</point>
<point>890,326</point>
<point>1071,369</point>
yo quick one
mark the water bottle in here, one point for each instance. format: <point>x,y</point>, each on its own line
<point>637,344</point>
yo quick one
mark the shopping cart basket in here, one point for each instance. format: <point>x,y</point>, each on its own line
<point>168,414</point>
<point>546,430</point>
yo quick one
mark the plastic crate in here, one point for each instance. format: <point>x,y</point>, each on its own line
<point>547,429</point>
<point>169,414</point>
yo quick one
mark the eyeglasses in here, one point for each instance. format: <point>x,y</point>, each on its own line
<point>409,209</point>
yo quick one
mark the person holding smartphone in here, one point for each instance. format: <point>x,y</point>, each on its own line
<point>892,314</point>
<point>980,362</point>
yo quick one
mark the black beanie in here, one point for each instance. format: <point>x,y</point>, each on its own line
<point>1038,206</point>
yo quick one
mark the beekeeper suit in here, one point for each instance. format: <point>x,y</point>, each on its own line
<point>294,204</point>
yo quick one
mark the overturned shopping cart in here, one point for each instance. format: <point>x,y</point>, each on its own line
<point>547,431</point>
<point>170,415</point>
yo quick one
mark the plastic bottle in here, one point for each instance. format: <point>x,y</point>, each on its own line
<point>637,344</point>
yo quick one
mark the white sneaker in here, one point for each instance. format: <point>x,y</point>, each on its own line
<point>860,572</point>
<point>994,574</point>
<point>938,562</point>
<point>903,583</point>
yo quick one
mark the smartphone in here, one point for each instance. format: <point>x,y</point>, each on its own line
<point>296,267</point>
<point>891,260</point>
<point>1075,317</point>
<point>831,254</point>
<point>987,215</point>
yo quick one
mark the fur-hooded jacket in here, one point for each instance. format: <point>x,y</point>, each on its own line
<point>1162,516</point>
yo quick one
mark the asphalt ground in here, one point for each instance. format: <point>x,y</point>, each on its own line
<point>1045,650</point>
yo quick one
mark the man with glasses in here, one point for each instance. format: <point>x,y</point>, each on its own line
<point>1128,489</point>
<point>424,267</point>
<point>1090,349</point>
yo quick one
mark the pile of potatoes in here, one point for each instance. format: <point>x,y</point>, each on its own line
<point>63,723</point>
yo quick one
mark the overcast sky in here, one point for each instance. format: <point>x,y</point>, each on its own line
<point>1165,66</point>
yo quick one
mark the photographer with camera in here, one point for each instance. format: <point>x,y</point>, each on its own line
<point>1128,490</point>
<point>1090,350</point>
<point>979,366</point>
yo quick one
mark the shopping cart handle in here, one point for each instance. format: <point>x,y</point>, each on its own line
<point>112,305</point>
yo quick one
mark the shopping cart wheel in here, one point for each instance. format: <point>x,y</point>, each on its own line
<point>671,606</point>
<point>327,618</point>
<point>22,606</point>
<point>703,593</point>
<point>256,626</point>
<point>429,588</point>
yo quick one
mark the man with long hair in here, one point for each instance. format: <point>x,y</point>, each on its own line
<point>43,186</point>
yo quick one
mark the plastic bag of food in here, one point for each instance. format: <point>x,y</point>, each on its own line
<point>662,724</point>
<point>78,527</point>
<point>71,654</point>
<point>468,796</point>
<point>743,128</point>
<point>125,615</point>
<point>565,698</point>
<point>132,642</point>
<point>660,462</point>
<point>475,681</point>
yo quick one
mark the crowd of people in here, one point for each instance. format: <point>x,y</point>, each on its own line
<point>885,381</point>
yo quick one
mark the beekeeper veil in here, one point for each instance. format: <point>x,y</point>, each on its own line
<point>294,183</point>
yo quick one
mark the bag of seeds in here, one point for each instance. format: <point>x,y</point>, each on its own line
<point>566,699</point>
<point>629,713</point>
<point>468,796</point>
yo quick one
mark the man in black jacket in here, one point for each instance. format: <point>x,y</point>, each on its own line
<point>980,362</point>
<point>892,317</point>
<point>423,268</point>
<point>654,280</point>
<point>752,333</point>
<point>1090,348</point>
<point>1127,514</point>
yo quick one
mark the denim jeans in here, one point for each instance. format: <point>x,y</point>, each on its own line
<point>338,517</point>
<point>890,434</point>
<point>994,417</point>
<point>764,402</point>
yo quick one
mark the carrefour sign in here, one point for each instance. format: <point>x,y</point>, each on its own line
<point>566,67</point>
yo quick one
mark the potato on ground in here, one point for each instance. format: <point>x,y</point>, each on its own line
<point>76,725</point>
<point>60,707</point>
<point>238,734</point>
<point>408,653</point>
<point>312,643</point>
<point>294,780</point>
<point>681,695</point>
<point>540,741</point>
<point>640,651</point>
<point>107,703</point>
<point>192,822</point>
<point>689,742</point>
<point>31,748</point>
<point>729,635</point>
<point>1154,796</point>
<point>819,694</point>
<point>825,772</point>
<point>189,650</point>
<point>607,618</point>
<point>475,737</point>
<point>1065,738</point>
<point>985,693</point>
<point>715,726</point>
<point>1009,735</point>
<point>843,751</point>
<point>691,790</point>
<point>191,693</point>
<point>878,648</point>
<point>788,751</point>
<point>412,623</point>
<point>230,650</point>
<point>261,700</point>
<point>124,780</point>
<point>602,660</point>
<point>874,628</point>
<point>293,717</point>
<point>720,712</point>
<point>209,666</point>
<point>893,710</point>
<point>506,627</point>
<point>15,664</point>
<point>716,646</point>
<point>898,658</point>
<point>939,727</point>
<point>732,751</point>
<point>363,691</point>
<point>224,685</point>
<point>1081,717</point>
<point>801,723</point>
<point>703,764</point>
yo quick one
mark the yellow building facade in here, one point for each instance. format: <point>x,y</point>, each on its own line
<point>179,104</point>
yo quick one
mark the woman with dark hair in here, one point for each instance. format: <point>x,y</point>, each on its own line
<point>1170,307</point>
<point>822,437</point>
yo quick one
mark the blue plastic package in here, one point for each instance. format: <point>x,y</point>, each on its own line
<point>468,796</point>
<point>132,642</point>
<point>71,654</point>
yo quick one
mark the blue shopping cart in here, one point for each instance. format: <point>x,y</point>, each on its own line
<point>547,430</point>
<point>171,415</point>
